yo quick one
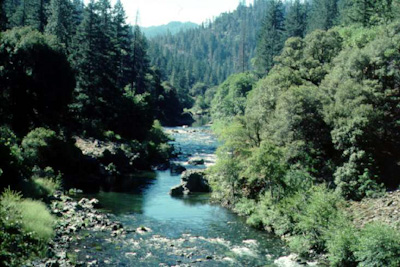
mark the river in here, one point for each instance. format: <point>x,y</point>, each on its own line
<point>187,231</point>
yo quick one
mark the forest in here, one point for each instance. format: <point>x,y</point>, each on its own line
<point>315,127</point>
<point>303,95</point>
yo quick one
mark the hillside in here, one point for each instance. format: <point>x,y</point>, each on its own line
<point>173,27</point>
<point>211,52</point>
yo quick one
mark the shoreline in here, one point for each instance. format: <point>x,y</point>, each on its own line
<point>72,217</point>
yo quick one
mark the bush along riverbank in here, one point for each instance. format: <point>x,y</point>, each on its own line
<point>317,131</point>
<point>319,225</point>
<point>30,230</point>
<point>36,220</point>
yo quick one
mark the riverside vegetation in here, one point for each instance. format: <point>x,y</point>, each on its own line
<point>309,121</point>
<point>72,72</point>
<point>319,129</point>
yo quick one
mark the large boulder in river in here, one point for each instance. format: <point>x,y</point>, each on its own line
<point>193,181</point>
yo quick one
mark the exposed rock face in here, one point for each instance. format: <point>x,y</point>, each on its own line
<point>191,181</point>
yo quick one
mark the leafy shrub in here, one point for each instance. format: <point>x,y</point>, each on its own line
<point>320,212</point>
<point>37,144</point>
<point>300,245</point>
<point>340,244</point>
<point>36,219</point>
<point>25,228</point>
<point>11,160</point>
<point>44,183</point>
<point>378,245</point>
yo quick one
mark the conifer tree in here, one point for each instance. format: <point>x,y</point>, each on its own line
<point>60,21</point>
<point>366,12</point>
<point>78,8</point>
<point>324,14</point>
<point>296,19</point>
<point>121,41</point>
<point>139,60</point>
<point>3,18</point>
<point>271,38</point>
<point>85,59</point>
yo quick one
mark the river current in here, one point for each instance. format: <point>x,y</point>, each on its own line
<point>186,231</point>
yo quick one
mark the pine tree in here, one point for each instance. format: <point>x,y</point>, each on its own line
<point>3,18</point>
<point>366,12</point>
<point>271,37</point>
<point>139,60</point>
<point>60,23</point>
<point>19,15</point>
<point>85,59</point>
<point>78,8</point>
<point>324,14</point>
<point>296,19</point>
<point>121,41</point>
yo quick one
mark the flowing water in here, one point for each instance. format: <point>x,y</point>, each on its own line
<point>187,231</point>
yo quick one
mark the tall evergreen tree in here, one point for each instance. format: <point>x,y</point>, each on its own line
<point>366,12</point>
<point>78,8</point>
<point>271,38</point>
<point>60,21</point>
<point>3,18</point>
<point>18,17</point>
<point>121,41</point>
<point>324,14</point>
<point>296,19</point>
<point>86,58</point>
<point>139,60</point>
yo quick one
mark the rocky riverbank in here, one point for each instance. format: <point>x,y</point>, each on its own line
<point>385,209</point>
<point>74,217</point>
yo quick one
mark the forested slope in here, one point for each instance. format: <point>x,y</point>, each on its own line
<point>319,128</point>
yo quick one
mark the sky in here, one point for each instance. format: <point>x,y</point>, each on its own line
<point>159,12</point>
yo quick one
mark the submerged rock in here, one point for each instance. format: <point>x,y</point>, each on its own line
<point>192,181</point>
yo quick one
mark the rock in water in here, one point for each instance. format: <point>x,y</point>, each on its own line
<point>177,168</point>
<point>178,190</point>
<point>196,161</point>
<point>191,181</point>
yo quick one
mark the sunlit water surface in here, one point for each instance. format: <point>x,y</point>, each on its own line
<point>187,231</point>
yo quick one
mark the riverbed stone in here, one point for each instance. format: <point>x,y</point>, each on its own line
<point>196,161</point>
<point>178,190</point>
<point>192,181</point>
<point>177,168</point>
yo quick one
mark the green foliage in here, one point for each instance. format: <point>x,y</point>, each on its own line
<point>296,19</point>
<point>367,12</point>
<point>230,98</point>
<point>378,245</point>
<point>341,240</point>
<point>37,145</point>
<point>265,170</point>
<point>321,212</point>
<point>360,105</point>
<point>11,159</point>
<point>271,37</point>
<point>46,182</point>
<point>36,80</point>
<point>323,15</point>
<point>36,219</point>
<point>25,228</point>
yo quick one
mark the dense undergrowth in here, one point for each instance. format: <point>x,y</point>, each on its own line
<point>320,128</point>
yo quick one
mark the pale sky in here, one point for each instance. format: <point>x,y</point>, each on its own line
<point>159,12</point>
